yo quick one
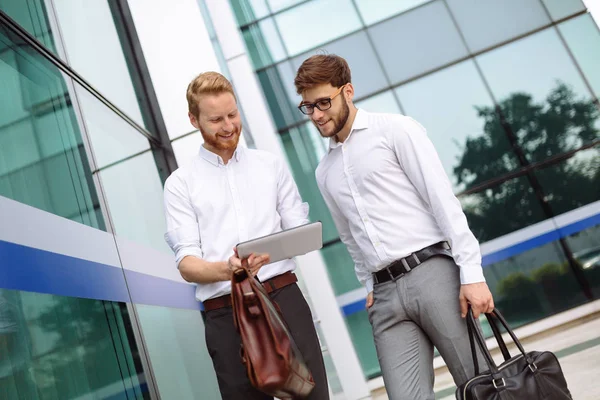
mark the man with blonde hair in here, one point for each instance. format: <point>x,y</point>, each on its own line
<point>229,194</point>
<point>395,211</point>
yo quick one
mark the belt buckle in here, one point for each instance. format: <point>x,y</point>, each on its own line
<point>394,279</point>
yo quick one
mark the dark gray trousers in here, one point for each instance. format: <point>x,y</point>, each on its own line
<point>412,315</point>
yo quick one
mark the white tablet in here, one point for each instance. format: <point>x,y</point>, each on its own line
<point>285,244</point>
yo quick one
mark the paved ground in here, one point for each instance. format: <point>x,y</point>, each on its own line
<point>577,348</point>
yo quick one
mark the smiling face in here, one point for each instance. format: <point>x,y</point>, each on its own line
<point>219,123</point>
<point>334,120</point>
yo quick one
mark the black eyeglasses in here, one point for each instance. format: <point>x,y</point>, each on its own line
<point>322,104</point>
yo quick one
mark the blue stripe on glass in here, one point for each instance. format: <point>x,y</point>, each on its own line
<point>519,248</point>
<point>148,289</point>
<point>355,307</point>
<point>34,270</point>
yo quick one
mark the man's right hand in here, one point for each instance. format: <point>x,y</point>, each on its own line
<point>255,262</point>
<point>370,300</point>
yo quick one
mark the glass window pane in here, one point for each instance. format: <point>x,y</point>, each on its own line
<point>187,148</point>
<point>82,23</point>
<point>263,43</point>
<point>533,284</point>
<point>134,194</point>
<point>361,333</point>
<point>457,111</point>
<point>434,41</point>
<point>374,11</point>
<point>249,10</point>
<point>583,38</point>
<point>304,148</point>
<point>277,5</point>
<point>586,250</point>
<point>67,348</point>
<point>488,22</point>
<point>32,16</point>
<point>176,345</point>
<point>542,95</point>
<point>367,75</point>
<point>563,183</point>
<point>278,86</point>
<point>112,138</point>
<point>486,210</point>
<point>42,159</point>
<point>317,25</point>
<point>381,103</point>
<point>559,9</point>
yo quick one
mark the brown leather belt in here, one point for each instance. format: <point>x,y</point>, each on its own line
<point>270,285</point>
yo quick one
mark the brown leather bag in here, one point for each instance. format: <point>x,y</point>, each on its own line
<point>272,360</point>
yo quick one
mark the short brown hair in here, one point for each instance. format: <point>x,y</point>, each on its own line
<point>322,69</point>
<point>206,83</point>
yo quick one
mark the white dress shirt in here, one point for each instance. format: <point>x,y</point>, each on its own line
<point>210,207</point>
<point>389,196</point>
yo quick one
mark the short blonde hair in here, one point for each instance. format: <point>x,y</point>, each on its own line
<point>206,83</point>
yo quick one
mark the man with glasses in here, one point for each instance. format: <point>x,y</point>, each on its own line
<point>395,211</point>
<point>229,194</point>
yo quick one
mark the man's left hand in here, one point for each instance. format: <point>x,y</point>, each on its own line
<point>479,296</point>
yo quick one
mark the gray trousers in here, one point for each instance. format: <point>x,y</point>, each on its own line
<point>409,317</point>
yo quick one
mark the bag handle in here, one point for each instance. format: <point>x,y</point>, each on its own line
<point>474,332</point>
<point>497,335</point>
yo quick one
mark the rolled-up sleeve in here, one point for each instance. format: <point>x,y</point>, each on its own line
<point>291,209</point>
<point>183,236</point>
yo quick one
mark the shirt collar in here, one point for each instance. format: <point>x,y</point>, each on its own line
<point>216,159</point>
<point>361,121</point>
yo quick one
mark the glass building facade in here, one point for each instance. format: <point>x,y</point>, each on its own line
<point>84,269</point>
<point>93,120</point>
<point>508,92</point>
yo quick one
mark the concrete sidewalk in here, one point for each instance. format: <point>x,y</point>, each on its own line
<point>577,346</point>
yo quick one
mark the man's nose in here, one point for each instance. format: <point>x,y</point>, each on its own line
<point>317,114</point>
<point>228,125</point>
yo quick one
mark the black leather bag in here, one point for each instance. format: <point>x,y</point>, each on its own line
<point>532,375</point>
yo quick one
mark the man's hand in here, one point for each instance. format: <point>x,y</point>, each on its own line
<point>479,296</point>
<point>255,262</point>
<point>370,300</point>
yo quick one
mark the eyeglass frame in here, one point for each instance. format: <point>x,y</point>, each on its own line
<point>314,105</point>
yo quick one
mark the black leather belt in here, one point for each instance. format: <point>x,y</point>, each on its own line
<point>402,266</point>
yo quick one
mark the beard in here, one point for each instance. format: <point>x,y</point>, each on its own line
<point>219,144</point>
<point>339,121</point>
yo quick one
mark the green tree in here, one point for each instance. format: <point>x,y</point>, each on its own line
<point>560,124</point>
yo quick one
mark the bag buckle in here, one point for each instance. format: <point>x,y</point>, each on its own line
<point>497,385</point>
<point>532,367</point>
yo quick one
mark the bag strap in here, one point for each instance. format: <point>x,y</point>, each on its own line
<point>498,336</point>
<point>473,348</point>
<point>517,342</point>
<point>473,331</point>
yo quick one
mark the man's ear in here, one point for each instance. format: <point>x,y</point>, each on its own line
<point>193,120</point>
<point>348,91</point>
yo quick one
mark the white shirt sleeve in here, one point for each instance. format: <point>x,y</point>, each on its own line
<point>420,161</point>
<point>343,228</point>
<point>183,236</point>
<point>291,209</point>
